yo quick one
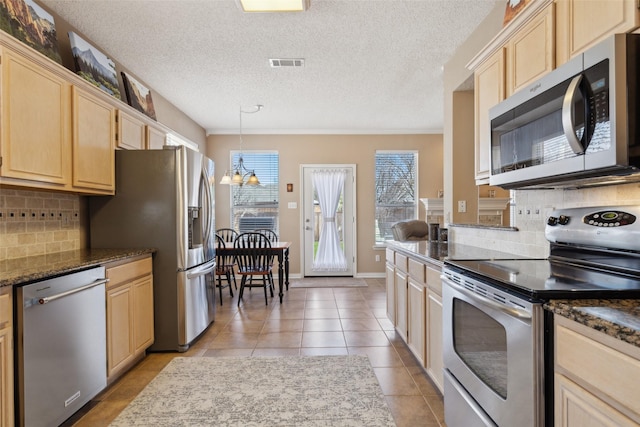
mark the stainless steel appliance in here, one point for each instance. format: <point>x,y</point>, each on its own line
<point>165,200</point>
<point>575,127</point>
<point>61,354</point>
<point>498,343</point>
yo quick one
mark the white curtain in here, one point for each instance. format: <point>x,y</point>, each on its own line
<point>329,185</point>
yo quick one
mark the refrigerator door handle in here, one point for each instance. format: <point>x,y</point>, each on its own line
<point>201,270</point>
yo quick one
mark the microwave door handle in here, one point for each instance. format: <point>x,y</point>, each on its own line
<point>567,115</point>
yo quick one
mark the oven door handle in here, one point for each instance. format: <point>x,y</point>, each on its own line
<point>511,311</point>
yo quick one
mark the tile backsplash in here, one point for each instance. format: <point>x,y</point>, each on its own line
<point>532,207</point>
<point>38,222</point>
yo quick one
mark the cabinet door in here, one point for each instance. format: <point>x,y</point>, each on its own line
<point>401,303</point>
<point>119,328</point>
<point>434,365</point>
<point>531,51</point>
<point>6,378</point>
<point>155,138</point>
<point>93,143</point>
<point>142,291</point>
<point>6,359</point>
<point>416,319</point>
<point>131,132</point>
<point>583,23</point>
<point>391,293</point>
<point>36,142</point>
<point>489,81</point>
<point>576,407</point>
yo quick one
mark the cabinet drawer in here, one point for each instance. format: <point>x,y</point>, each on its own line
<point>390,256</point>
<point>401,262</point>
<point>434,281</point>
<point>126,272</point>
<point>605,371</point>
<point>5,310</point>
<point>416,270</point>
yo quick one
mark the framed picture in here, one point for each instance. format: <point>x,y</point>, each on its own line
<point>138,96</point>
<point>32,25</point>
<point>513,8</point>
<point>94,66</point>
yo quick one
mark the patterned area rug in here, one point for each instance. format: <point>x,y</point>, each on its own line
<point>261,391</point>
<point>327,282</point>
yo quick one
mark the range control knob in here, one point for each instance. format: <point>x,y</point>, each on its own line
<point>552,220</point>
<point>563,220</point>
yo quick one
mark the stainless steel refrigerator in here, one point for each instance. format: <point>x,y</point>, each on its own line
<point>165,200</point>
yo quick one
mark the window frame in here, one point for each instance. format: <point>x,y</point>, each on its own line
<point>378,239</point>
<point>274,207</point>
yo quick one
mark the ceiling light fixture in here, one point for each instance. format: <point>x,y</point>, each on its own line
<point>274,5</point>
<point>241,171</point>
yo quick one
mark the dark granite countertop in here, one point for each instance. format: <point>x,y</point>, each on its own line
<point>617,318</point>
<point>425,251</point>
<point>24,270</point>
<point>437,253</point>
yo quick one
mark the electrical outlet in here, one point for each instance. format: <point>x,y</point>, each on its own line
<point>377,258</point>
<point>462,206</point>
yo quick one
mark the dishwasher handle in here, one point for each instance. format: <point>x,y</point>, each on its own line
<point>46,300</point>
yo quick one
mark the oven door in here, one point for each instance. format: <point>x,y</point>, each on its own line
<point>493,356</point>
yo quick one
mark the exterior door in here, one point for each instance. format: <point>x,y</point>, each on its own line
<point>329,231</point>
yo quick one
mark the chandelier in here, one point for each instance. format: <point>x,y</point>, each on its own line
<point>241,174</point>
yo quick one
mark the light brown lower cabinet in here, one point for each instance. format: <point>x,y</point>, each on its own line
<point>414,306</point>
<point>391,292</point>
<point>6,359</point>
<point>416,319</point>
<point>434,360</point>
<point>596,378</point>
<point>129,314</point>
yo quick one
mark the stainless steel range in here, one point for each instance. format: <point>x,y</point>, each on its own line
<point>498,338</point>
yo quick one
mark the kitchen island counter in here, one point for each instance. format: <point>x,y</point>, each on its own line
<point>28,269</point>
<point>619,318</point>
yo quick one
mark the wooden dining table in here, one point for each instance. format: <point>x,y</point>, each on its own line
<point>278,249</point>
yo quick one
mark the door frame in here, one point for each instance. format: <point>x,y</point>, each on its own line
<point>354,240</point>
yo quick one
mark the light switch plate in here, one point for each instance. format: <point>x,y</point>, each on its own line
<point>292,205</point>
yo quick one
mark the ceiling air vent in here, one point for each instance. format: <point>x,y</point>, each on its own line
<point>289,62</point>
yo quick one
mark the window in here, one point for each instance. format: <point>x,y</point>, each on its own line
<point>256,206</point>
<point>395,189</point>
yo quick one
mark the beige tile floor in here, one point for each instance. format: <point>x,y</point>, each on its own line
<point>310,321</point>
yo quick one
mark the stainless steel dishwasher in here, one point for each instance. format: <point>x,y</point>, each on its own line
<point>60,346</point>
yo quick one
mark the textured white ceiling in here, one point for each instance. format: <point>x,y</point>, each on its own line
<point>371,66</point>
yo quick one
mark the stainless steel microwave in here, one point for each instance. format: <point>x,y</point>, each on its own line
<point>578,126</point>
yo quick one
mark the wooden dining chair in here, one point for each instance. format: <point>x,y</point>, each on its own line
<point>271,235</point>
<point>228,235</point>
<point>254,263</point>
<point>224,268</point>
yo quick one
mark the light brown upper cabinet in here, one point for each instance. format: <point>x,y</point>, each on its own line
<point>36,140</point>
<point>583,23</point>
<point>521,53</point>
<point>94,123</point>
<point>489,81</point>
<point>54,135</point>
<point>531,51</point>
<point>131,132</point>
<point>156,138</point>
